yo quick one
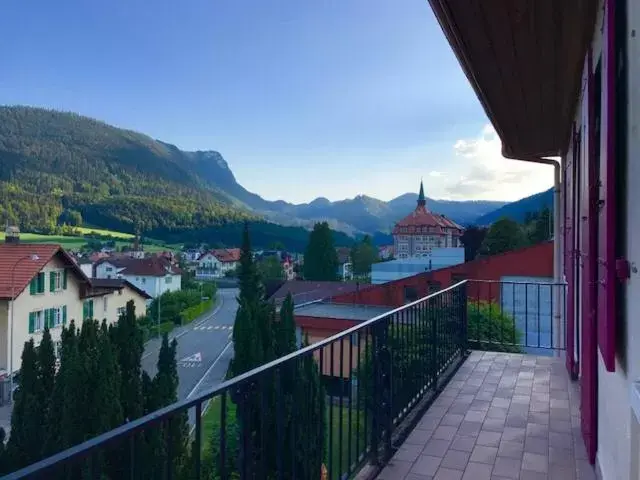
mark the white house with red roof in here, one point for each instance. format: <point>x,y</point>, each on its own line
<point>417,234</point>
<point>41,285</point>
<point>216,263</point>
<point>154,275</point>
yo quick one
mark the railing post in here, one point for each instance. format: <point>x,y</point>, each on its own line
<point>464,345</point>
<point>381,415</point>
<point>433,314</point>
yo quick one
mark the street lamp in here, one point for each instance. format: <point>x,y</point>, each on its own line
<point>33,258</point>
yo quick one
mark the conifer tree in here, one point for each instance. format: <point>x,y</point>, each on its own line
<point>27,421</point>
<point>320,256</point>
<point>46,368</point>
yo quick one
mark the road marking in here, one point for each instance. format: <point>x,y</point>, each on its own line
<point>196,357</point>
<point>209,369</point>
<point>194,327</point>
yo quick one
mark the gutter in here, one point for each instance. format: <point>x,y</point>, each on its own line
<point>557,246</point>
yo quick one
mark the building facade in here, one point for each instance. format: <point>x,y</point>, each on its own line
<point>417,234</point>
<point>153,275</point>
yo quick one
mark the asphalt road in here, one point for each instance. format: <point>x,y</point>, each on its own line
<point>204,348</point>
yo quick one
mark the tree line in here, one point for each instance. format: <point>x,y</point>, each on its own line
<point>97,385</point>
<point>507,234</point>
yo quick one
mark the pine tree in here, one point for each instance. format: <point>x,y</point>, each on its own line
<point>286,328</point>
<point>46,368</point>
<point>165,386</point>
<point>129,345</point>
<point>27,422</point>
<point>320,256</point>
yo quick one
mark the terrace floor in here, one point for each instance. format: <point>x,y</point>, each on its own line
<point>502,416</point>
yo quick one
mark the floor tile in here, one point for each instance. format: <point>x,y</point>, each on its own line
<point>455,459</point>
<point>507,467</point>
<point>477,471</point>
<point>535,462</point>
<point>436,447</point>
<point>426,465</point>
<point>482,454</point>
<point>464,444</point>
<point>395,470</point>
<point>448,474</point>
<point>511,449</point>
<point>408,453</point>
<point>488,438</point>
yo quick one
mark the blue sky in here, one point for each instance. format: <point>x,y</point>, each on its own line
<point>330,98</point>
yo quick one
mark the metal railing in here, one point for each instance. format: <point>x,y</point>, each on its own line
<point>251,430</point>
<point>517,316</point>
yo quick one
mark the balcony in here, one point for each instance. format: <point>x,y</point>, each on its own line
<point>406,395</point>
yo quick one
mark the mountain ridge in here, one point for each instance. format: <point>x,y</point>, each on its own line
<point>61,164</point>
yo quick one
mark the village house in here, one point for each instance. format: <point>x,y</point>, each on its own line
<point>217,263</point>
<point>154,275</point>
<point>41,285</point>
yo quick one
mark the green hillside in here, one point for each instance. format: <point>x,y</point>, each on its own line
<point>58,167</point>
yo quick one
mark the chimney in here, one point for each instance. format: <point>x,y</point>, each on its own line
<point>12,234</point>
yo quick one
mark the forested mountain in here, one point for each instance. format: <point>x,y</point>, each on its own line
<point>518,210</point>
<point>62,167</point>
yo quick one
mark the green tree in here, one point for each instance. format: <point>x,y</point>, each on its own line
<point>27,421</point>
<point>472,239</point>
<point>542,227</point>
<point>46,370</point>
<point>363,255</point>
<point>271,269</point>
<point>489,328</point>
<point>320,256</point>
<point>503,236</point>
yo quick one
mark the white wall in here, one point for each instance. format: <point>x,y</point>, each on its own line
<point>155,286</point>
<point>106,270</point>
<point>26,303</point>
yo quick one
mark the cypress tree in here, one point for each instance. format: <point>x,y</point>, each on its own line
<point>46,368</point>
<point>129,346</point>
<point>320,256</point>
<point>286,328</point>
<point>26,419</point>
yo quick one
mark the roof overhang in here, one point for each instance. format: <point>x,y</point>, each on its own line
<point>524,60</point>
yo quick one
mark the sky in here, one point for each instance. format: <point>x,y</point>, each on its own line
<point>304,99</point>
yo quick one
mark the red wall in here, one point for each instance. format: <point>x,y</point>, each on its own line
<point>534,261</point>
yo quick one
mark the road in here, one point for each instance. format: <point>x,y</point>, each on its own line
<point>204,348</point>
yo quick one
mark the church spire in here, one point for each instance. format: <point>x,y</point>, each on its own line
<point>421,200</point>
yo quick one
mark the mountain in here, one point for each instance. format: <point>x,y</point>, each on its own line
<point>517,210</point>
<point>60,167</point>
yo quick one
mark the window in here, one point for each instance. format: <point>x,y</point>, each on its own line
<point>36,286</point>
<point>105,303</point>
<point>57,280</point>
<point>36,321</point>
<point>410,294</point>
<point>121,311</point>
<point>109,269</point>
<point>87,309</point>
<point>144,280</point>
<point>54,317</point>
<point>168,280</point>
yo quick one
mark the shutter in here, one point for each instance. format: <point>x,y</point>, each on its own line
<point>64,315</point>
<point>32,322</point>
<point>64,279</point>
<point>33,285</point>
<point>41,282</point>
<point>84,311</point>
<point>607,228</point>
<point>52,281</point>
<point>91,309</point>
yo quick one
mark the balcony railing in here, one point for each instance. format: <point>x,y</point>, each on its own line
<point>387,370</point>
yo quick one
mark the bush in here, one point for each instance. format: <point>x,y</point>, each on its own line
<point>489,328</point>
<point>191,313</point>
<point>173,305</point>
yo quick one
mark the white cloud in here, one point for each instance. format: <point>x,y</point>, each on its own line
<point>486,174</point>
<point>436,174</point>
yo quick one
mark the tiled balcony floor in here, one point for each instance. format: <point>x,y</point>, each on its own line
<point>502,416</point>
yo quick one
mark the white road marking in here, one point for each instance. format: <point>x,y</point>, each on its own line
<point>209,369</point>
<point>196,357</point>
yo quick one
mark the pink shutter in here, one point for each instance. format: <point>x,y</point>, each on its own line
<point>607,301</point>
<point>569,255</point>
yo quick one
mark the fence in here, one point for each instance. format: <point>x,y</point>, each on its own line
<point>514,316</point>
<point>276,421</point>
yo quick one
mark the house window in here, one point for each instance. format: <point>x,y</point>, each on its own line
<point>121,311</point>
<point>55,317</point>
<point>109,269</point>
<point>87,309</point>
<point>36,286</point>
<point>105,304</point>
<point>144,280</point>
<point>36,321</point>
<point>57,280</point>
<point>168,280</point>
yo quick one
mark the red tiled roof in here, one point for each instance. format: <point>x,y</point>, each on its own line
<point>16,264</point>
<point>421,217</point>
<point>149,267</point>
<point>227,254</point>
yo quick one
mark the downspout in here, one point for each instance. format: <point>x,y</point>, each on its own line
<point>558,341</point>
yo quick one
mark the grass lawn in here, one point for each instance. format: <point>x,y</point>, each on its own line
<point>100,231</point>
<point>339,453</point>
<point>75,243</point>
